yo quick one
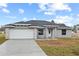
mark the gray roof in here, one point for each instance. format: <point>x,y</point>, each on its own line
<point>59,26</point>
<point>36,22</point>
<point>41,23</point>
<point>63,26</point>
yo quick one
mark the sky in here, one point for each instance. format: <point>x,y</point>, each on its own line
<point>67,13</point>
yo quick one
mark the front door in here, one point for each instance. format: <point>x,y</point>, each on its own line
<point>50,33</point>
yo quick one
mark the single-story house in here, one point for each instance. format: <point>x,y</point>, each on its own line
<point>36,29</point>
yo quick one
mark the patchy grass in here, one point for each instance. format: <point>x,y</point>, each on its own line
<point>60,47</point>
<point>2,38</point>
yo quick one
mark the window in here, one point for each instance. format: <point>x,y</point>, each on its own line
<point>18,25</point>
<point>49,31</point>
<point>40,31</point>
<point>21,25</point>
<point>63,31</point>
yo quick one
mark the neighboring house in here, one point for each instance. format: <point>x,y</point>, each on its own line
<point>76,30</point>
<point>36,29</point>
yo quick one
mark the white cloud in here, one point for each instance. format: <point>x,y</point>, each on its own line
<point>34,18</point>
<point>69,24</point>
<point>60,6</point>
<point>61,19</point>
<point>3,5</point>
<point>70,20</point>
<point>24,19</point>
<point>42,6</point>
<point>78,15</point>
<point>48,13</point>
<point>64,19</point>
<point>5,10</point>
<point>21,11</point>
<point>51,8</point>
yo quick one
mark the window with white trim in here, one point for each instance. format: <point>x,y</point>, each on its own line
<point>40,31</point>
<point>63,31</point>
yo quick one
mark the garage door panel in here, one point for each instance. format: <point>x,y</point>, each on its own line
<point>21,34</point>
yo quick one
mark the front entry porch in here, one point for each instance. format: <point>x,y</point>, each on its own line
<point>44,33</point>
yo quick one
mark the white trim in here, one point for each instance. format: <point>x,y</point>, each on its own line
<point>9,26</point>
<point>21,24</point>
<point>36,26</point>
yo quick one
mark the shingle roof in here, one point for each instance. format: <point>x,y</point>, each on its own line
<point>59,26</point>
<point>63,26</point>
<point>36,22</point>
<point>42,23</point>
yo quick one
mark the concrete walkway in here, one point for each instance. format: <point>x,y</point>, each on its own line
<point>21,48</point>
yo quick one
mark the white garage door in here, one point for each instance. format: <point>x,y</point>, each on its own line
<point>21,34</point>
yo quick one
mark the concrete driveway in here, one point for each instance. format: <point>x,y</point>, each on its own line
<point>21,48</point>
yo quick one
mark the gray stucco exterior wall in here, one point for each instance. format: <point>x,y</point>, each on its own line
<point>55,33</point>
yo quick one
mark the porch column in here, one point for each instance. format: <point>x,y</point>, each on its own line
<point>46,33</point>
<point>54,33</point>
<point>35,33</point>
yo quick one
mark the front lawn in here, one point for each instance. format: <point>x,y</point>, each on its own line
<point>2,38</point>
<point>60,47</point>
